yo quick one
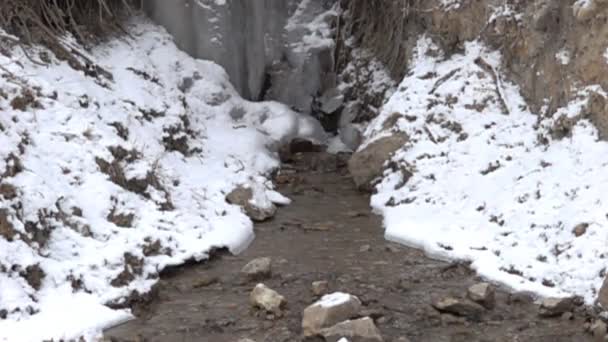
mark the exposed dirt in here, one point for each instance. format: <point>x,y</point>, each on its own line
<point>329,233</point>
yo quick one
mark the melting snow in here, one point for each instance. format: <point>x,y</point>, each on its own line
<point>173,137</point>
<point>490,184</point>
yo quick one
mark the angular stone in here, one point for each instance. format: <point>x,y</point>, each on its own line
<point>460,307</point>
<point>368,163</point>
<point>360,330</point>
<point>329,310</point>
<point>267,299</point>
<point>320,288</point>
<point>482,293</point>
<point>242,197</point>
<point>258,269</point>
<point>551,307</point>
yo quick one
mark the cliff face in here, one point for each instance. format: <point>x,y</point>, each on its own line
<point>271,49</point>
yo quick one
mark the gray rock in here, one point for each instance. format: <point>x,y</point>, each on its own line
<point>460,307</point>
<point>365,248</point>
<point>603,294</point>
<point>320,288</point>
<point>242,197</point>
<point>331,101</point>
<point>551,307</point>
<point>258,269</point>
<point>267,299</point>
<point>360,330</point>
<point>482,293</point>
<point>329,310</point>
<point>367,164</point>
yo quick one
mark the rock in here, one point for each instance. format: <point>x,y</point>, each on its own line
<point>245,340</point>
<point>602,297</point>
<point>258,269</point>
<point>460,307</point>
<point>365,248</point>
<point>567,316</point>
<point>482,293</point>
<point>242,197</point>
<point>320,288</point>
<point>331,101</point>
<point>367,164</point>
<point>585,10</point>
<point>205,281</point>
<point>329,310</point>
<point>267,299</point>
<point>360,330</point>
<point>580,229</point>
<point>551,307</point>
<point>598,329</point>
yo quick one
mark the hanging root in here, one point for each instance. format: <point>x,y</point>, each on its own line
<point>381,26</point>
<point>47,22</point>
<point>33,20</point>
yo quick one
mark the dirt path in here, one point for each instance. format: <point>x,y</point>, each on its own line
<point>329,233</point>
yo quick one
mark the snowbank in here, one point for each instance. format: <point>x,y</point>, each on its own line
<point>492,183</point>
<point>104,181</point>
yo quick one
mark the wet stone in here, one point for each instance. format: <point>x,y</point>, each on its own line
<point>460,307</point>
<point>258,269</point>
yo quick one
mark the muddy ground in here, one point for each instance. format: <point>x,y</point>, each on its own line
<point>329,233</point>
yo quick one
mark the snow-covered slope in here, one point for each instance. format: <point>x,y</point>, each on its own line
<point>492,182</point>
<point>104,181</point>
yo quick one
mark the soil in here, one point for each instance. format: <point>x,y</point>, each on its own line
<point>329,233</point>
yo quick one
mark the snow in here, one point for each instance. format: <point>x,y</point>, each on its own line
<point>490,184</point>
<point>563,57</point>
<point>333,299</point>
<point>313,23</point>
<point>180,152</point>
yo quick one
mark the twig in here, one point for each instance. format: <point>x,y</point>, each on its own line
<point>497,83</point>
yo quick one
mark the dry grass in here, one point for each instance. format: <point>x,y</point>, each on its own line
<point>43,21</point>
<point>382,27</point>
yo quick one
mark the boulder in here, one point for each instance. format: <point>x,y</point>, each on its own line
<point>367,163</point>
<point>329,310</point>
<point>482,293</point>
<point>360,330</point>
<point>265,298</point>
<point>258,269</point>
<point>243,196</point>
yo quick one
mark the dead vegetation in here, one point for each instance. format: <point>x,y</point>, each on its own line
<point>45,21</point>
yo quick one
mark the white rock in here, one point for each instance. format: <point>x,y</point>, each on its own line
<point>329,310</point>
<point>267,299</point>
